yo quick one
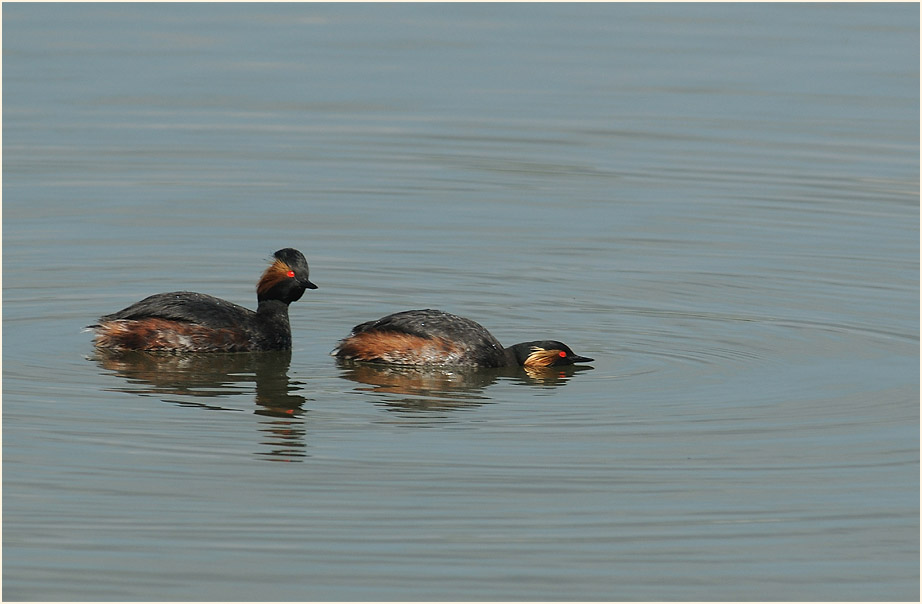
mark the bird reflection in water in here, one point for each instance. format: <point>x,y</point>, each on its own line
<point>437,388</point>
<point>201,380</point>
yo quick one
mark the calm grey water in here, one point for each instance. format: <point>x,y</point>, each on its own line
<point>720,203</point>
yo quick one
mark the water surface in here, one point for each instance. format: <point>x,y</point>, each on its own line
<point>718,203</point>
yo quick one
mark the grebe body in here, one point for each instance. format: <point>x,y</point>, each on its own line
<point>433,337</point>
<point>192,322</point>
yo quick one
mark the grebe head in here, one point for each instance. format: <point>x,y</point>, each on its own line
<point>546,353</point>
<point>286,278</point>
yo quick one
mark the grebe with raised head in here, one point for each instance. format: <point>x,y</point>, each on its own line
<point>191,322</point>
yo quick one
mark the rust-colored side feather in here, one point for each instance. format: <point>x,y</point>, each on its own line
<point>163,334</point>
<point>398,348</point>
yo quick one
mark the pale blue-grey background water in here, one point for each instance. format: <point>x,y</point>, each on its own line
<point>720,203</point>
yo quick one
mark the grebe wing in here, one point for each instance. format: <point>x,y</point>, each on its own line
<point>185,306</point>
<point>429,323</point>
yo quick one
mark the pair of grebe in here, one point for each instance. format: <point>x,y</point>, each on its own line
<point>192,322</point>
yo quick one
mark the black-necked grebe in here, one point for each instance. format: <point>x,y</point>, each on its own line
<point>433,337</point>
<point>191,322</point>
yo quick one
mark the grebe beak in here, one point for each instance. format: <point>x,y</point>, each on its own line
<point>306,283</point>
<point>578,359</point>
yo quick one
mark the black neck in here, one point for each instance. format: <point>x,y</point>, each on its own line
<point>515,355</point>
<point>272,307</point>
<point>274,328</point>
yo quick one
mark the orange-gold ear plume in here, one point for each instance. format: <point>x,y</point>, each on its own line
<point>275,274</point>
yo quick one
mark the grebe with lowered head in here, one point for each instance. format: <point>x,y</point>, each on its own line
<point>192,322</point>
<point>433,337</point>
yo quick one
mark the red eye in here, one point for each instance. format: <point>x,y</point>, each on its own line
<point>290,274</point>
<point>562,354</point>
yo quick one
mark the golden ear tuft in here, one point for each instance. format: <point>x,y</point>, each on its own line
<point>275,274</point>
<point>541,357</point>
